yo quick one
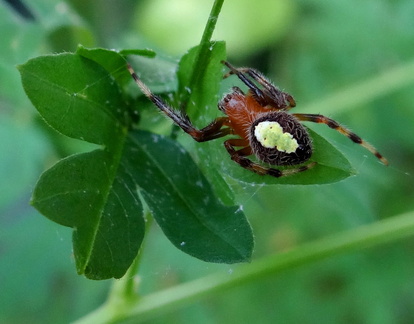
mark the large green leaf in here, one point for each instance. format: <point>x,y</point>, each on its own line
<point>89,192</point>
<point>76,96</point>
<point>80,192</point>
<point>97,198</point>
<point>183,203</point>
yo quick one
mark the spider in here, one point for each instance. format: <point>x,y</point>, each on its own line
<point>262,123</point>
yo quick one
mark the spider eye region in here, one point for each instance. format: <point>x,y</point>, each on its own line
<point>270,135</point>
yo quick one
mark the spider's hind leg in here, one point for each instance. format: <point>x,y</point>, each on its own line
<point>315,118</point>
<point>239,156</point>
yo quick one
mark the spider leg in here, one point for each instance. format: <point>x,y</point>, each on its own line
<point>315,118</point>
<point>212,131</point>
<point>239,156</point>
<point>257,76</point>
<point>270,96</point>
<point>261,79</point>
<point>257,93</point>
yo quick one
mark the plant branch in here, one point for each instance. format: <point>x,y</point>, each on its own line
<point>375,234</point>
<point>204,49</point>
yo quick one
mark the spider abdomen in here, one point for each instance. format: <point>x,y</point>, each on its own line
<point>278,138</point>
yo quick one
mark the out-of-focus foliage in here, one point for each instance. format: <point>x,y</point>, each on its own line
<point>322,49</point>
<point>237,23</point>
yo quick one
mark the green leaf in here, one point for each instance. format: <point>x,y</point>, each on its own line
<point>140,52</point>
<point>183,203</point>
<point>75,96</point>
<point>92,194</point>
<point>113,61</point>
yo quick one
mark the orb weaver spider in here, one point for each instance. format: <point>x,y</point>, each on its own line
<point>262,123</point>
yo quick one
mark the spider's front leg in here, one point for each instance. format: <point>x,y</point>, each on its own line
<point>270,95</point>
<point>239,156</point>
<point>257,93</point>
<point>212,131</point>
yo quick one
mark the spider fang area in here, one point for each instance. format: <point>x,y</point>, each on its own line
<point>270,134</point>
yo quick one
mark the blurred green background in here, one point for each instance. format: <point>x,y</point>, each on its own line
<point>316,50</point>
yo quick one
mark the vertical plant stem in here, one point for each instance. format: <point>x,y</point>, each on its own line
<point>206,38</point>
<point>204,49</point>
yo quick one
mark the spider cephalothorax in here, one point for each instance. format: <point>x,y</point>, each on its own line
<point>262,123</point>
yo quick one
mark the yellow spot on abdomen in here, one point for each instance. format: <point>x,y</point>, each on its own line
<point>270,134</point>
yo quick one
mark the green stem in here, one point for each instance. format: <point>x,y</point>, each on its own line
<point>382,232</point>
<point>204,48</point>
